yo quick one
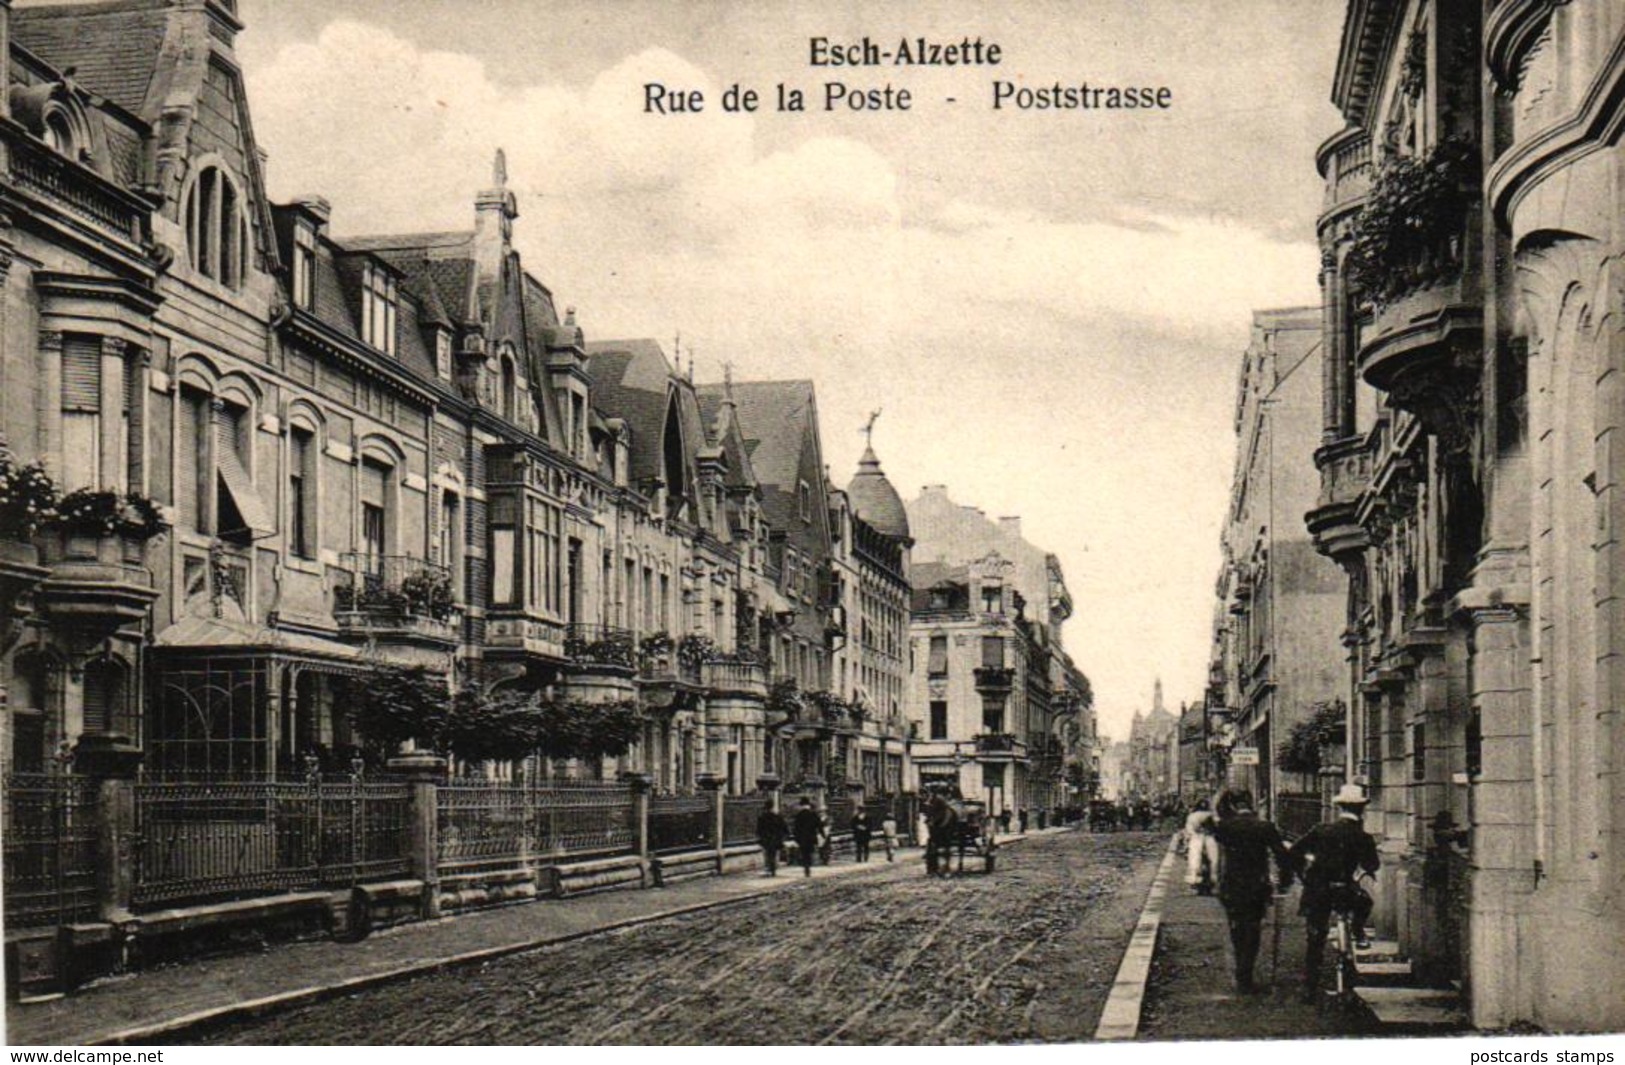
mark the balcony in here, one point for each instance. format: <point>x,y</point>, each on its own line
<point>1000,747</point>
<point>1344,161</point>
<point>1345,474</point>
<point>995,679</point>
<point>595,648</point>
<point>396,599</point>
<point>725,678</point>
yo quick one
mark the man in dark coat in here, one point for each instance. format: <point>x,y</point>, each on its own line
<point>806,828</point>
<point>1246,844</point>
<point>1330,859</point>
<point>770,833</point>
<point>942,829</point>
<point>862,832</point>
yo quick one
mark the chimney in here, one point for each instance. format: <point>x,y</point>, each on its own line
<point>494,211</point>
<point>1010,525</point>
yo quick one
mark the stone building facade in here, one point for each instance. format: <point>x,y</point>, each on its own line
<point>1469,487</point>
<point>1282,603</point>
<point>997,708</point>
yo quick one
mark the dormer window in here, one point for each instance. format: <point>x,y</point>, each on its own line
<point>806,502</point>
<point>378,308</point>
<point>59,134</point>
<point>304,267</point>
<point>216,229</point>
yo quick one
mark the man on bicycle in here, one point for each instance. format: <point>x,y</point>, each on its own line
<point>1330,859</point>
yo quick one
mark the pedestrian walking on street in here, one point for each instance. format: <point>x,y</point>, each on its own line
<point>806,828</point>
<point>1246,845</point>
<point>1201,849</point>
<point>1004,821</point>
<point>770,833</point>
<point>922,828</point>
<point>1330,859</point>
<point>888,832</point>
<point>944,827</point>
<point>861,833</point>
<point>1021,819</point>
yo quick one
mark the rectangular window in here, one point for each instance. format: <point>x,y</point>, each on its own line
<point>378,299</point>
<point>806,502</point>
<point>301,494</point>
<point>192,479</point>
<point>628,593</point>
<point>993,652</point>
<point>939,656</point>
<point>648,599</point>
<point>82,411</point>
<point>993,714</point>
<point>992,599</point>
<point>304,267</point>
<point>1419,753</point>
<point>502,564</point>
<point>451,540</point>
<point>374,502</point>
<point>442,354</point>
<point>939,719</point>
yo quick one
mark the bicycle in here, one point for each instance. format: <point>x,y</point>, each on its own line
<point>1348,937</point>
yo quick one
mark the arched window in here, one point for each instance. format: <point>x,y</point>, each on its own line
<point>217,228</point>
<point>58,133</point>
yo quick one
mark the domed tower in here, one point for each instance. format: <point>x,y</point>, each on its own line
<point>873,497</point>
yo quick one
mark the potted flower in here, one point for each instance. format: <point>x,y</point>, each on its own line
<point>27,500</point>
<point>97,521</point>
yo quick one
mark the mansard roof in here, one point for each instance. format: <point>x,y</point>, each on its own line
<point>775,418</point>
<point>633,381</point>
<point>727,434</point>
<point>113,47</point>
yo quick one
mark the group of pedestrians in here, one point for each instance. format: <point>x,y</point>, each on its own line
<point>809,829</point>
<point>1232,850</point>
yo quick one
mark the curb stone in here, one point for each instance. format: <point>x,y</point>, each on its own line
<point>1120,1019</point>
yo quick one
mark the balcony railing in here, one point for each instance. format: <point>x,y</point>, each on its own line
<point>744,678</point>
<point>1345,162</point>
<point>670,667</point>
<point>995,678</point>
<point>600,645</point>
<point>79,191</point>
<point>395,586</point>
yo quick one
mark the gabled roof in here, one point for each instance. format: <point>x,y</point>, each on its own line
<point>631,380</point>
<point>727,434</point>
<point>113,47</point>
<point>774,420</point>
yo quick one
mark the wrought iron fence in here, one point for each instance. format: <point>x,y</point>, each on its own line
<point>487,824</point>
<point>202,840</point>
<point>739,815</point>
<point>50,830</point>
<point>838,813</point>
<point>681,822</point>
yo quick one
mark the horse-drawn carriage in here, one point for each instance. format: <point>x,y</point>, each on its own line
<point>962,829</point>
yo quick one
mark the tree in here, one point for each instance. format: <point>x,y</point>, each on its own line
<point>392,705</point>
<point>503,726</point>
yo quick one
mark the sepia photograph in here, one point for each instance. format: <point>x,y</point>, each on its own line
<point>826,523</point>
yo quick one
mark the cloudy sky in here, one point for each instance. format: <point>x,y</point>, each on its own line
<point>1049,307</point>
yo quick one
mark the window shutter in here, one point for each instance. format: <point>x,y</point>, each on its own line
<point>82,373</point>
<point>372,484</point>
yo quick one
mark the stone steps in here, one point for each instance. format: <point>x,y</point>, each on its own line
<point>1414,1009</point>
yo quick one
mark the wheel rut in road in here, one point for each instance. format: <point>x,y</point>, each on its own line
<point>1025,954</point>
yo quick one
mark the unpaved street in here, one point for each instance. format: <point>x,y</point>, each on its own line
<point>1027,954</point>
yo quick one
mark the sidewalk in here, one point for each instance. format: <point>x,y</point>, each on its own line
<point>1191,993</point>
<point>147,1004</point>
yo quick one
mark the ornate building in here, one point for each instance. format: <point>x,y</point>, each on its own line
<point>990,684</point>
<point>352,452</point>
<point>1468,487</point>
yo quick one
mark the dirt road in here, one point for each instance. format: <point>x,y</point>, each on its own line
<point>1027,954</point>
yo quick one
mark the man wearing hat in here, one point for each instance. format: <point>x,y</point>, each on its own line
<point>1330,859</point>
<point>1246,845</point>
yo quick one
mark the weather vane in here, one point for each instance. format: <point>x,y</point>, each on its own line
<point>868,429</point>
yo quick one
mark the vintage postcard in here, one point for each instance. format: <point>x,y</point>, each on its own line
<point>827,523</point>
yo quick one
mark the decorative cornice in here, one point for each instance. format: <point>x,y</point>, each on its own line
<point>1597,122</point>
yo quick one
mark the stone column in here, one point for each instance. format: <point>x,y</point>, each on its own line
<point>712,783</point>
<point>48,403</point>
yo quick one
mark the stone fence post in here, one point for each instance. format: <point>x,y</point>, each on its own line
<point>424,773</point>
<point>713,783</point>
<point>641,784</point>
<point>112,761</point>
